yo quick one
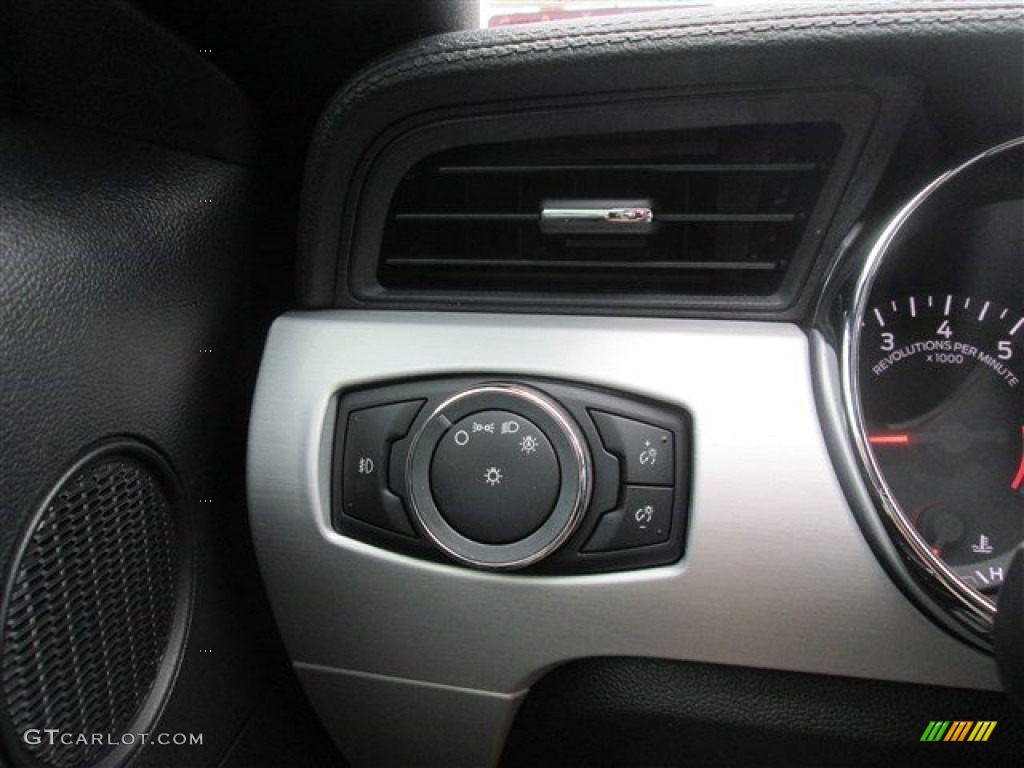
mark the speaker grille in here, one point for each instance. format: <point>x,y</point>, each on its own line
<point>90,609</point>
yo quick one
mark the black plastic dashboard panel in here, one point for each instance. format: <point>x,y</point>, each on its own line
<point>104,65</point>
<point>126,242</point>
<point>379,513</point>
<point>467,74</point>
<point>114,277</point>
<point>644,712</point>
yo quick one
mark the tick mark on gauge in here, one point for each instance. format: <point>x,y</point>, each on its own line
<point>1017,326</point>
<point>984,311</point>
<point>913,307</point>
<point>949,303</point>
<point>881,322</point>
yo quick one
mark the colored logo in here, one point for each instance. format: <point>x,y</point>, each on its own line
<point>958,730</point>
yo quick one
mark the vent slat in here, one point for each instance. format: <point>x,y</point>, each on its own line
<point>663,218</point>
<point>467,217</point>
<point>634,168</point>
<point>726,218</point>
<point>570,264</point>
<point>729,204</point>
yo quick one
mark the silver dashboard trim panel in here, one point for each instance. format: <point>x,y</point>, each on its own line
<point>777,573</point>
<point>453,727</point>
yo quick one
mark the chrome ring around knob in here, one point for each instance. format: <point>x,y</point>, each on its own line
<point>570,450</point>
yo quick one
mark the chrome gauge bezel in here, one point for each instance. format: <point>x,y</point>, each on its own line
<point>973,610</point>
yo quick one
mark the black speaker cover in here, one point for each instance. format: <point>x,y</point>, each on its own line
<point>94,611</point>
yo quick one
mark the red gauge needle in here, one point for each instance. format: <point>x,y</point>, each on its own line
<point>891,439</point>
<point>1019,479</point>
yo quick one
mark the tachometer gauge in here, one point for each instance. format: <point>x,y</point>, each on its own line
<point>933,369</point>
<point>941,395</point>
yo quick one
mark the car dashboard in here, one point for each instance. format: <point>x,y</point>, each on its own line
<point>644,390</point>
<point>765,151</point>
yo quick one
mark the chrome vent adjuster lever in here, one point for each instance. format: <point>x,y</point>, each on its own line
<point>597,217</point>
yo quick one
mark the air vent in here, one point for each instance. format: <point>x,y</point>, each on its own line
<point>729,208</point>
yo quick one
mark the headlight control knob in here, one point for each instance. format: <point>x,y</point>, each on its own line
<point>499,476</point>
